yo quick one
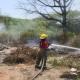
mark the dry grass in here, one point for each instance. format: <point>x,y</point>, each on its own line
<point>22,55</point>
<point>67,61</point>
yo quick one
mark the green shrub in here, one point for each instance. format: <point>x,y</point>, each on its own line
<point>5,38</point>
<point>27,35</point>
<point>71,34</point>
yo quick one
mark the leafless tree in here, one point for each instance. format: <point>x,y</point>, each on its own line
<point>46,8</point>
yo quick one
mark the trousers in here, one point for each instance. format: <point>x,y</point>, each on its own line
<point>42,55</point>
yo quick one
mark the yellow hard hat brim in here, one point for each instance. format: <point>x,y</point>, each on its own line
<point>43,36</point>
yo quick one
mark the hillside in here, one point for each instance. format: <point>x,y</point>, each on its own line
<point>30,29</point>
<point>15,26</point>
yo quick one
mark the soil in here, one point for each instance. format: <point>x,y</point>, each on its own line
<point>26,72</point>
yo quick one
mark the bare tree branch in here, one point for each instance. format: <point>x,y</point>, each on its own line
<point>49,18</point>
<point>45,4</point>
<point>69,3</point>
<point>41,7</point>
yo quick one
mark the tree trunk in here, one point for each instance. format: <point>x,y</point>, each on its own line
<point>64,26</point>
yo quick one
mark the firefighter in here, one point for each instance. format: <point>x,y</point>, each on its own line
<point>42,54</point>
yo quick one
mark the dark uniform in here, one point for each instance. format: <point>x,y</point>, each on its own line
<point>42,54</point>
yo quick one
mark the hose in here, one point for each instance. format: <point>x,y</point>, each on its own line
<point>41,70</point>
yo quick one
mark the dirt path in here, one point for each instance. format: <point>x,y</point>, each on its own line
<point>26,72</point>
<point>52,74</point>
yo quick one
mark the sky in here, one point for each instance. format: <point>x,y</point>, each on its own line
<point>10,8</point>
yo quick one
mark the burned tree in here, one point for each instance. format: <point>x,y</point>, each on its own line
<point>46,8</point>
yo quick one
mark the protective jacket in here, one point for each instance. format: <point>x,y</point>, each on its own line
<point>44,43</point>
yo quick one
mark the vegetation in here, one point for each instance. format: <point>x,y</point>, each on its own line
<point>60,7</point>
<point>30,29</point>
<point>61,25</point>
<point>69,61</point>
<point>23,54</point>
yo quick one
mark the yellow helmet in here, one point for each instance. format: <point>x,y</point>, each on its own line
<point>43,36</point>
